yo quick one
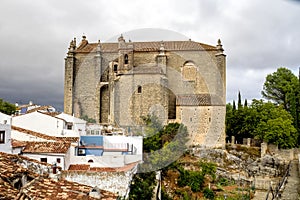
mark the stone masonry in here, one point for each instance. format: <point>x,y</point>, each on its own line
<point>119,83</point>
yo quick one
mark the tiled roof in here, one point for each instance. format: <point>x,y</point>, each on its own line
<point>7,191</point>
<point>17,143</point>
<point>85,167</point>
<point>44,136</point>
<point>13,168</point>
<point>38,108</point>
<point>46,147</point>
<point>147,46</point>
<point>79,167</point>
<point>46,188</point>
<point>198,100</point>
<point>10,166</point>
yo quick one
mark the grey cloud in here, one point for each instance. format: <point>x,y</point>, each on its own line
<point>258,36</point>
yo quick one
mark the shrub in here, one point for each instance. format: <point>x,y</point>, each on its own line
<point>208,193</point>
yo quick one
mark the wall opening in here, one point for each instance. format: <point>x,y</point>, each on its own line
<point>126,59</point>
<point>104,104</point>
<point>2,137</point>
<point>115,68</point>
<point>189,71</point>
<point>171,105</point>
<point>139,90</point>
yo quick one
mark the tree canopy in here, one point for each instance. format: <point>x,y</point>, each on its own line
<point>282,88</point>
<point>7,108</point>
<point>265,121</point>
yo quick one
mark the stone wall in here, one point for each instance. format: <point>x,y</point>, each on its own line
<point>116,182</point>
<point>205,124</point>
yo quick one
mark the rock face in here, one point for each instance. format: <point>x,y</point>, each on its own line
<point>242,163</point>
<point>267,166</point>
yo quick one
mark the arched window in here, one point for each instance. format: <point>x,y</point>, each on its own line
<point>115,68</point>
<point>126,59</point>
<point>139,89</point>
<point>90,161</point>
<point>189,71</point>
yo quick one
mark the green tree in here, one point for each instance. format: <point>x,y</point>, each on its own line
<point>7,108</point>
<point>142,186</point>
<point>282,87</point>
<point>275,124</point>
<point>240,106</point>
<point>279,86</point>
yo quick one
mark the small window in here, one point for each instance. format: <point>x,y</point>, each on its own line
<point>139,89</point>
<point>69,126</point>
<point>81,152</point>
<point>90,161</point>
<point>58,160</point>
<point>115,68</point>
<point>44,160</point>
<point>2,137</point>
<point>126,59</point>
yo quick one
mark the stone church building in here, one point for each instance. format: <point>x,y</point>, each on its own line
<point>120,82</point>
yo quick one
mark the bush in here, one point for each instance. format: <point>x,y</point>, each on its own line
<point>208,193</point>
<point>194,179</point>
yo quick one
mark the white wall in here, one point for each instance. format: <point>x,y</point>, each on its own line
<point>5,119</point>
<point>39,122</point>
<point>137,142</point>
<point>51,158</point>
<point>105,161</point>
<point>6,147</point>
<point>25,137</point>
<point>79,125</point>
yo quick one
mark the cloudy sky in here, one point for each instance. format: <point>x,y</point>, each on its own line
<point>258,37</point>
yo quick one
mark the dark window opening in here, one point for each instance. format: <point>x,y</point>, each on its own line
<point>139,89</point>
<point>90,161</point>
<point>172,105</point>
<point>58,160</point>
<point>115,68</point>
<point>2,137</point>
<point>44,160</point>
<point>94,190</point>
<point>81,152</point>
<point>69,126</point>
<point>126,59</point>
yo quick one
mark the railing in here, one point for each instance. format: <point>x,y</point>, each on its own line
<point>275,193</point>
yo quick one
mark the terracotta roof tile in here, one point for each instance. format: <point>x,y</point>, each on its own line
<point>46,147</point>
<point>38,108</point>
<point>147,46</point>
<point>46,188</point>
<point>79,167</point>
<point>85,167</point>
<point>41,187</point>
<point>45,136</point>
<point>198,100</point>
<point>17,143</point>
<point>7,191</point>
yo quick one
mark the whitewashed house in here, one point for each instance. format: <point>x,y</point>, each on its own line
<point>53,153</point>
<point>73,124</point>
<point>61,125</point>
<point>5,133</point>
